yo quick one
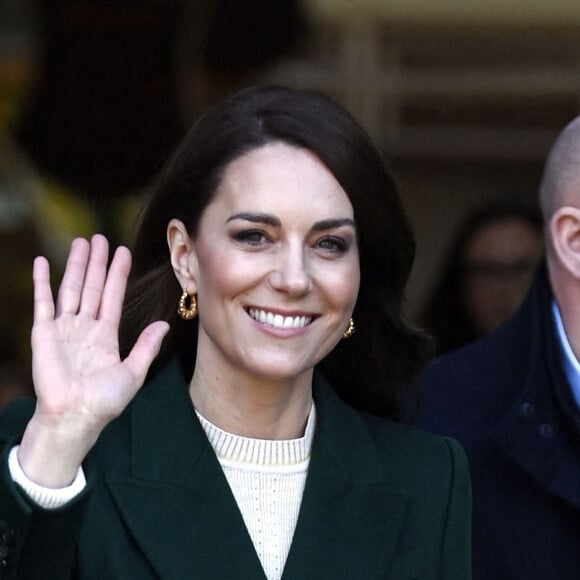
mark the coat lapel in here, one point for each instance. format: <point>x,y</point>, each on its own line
<point>352,511</point>
<point>536,432</point>
<point>176,502</point>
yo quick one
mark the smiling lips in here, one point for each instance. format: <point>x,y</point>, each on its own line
<point>279,321</point>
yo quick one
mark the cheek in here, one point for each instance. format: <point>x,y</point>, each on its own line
<point>352,283</point>
<point>223,274</point>
<point>343,286</point>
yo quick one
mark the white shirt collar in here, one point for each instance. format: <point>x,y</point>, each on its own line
<point>571,364</point>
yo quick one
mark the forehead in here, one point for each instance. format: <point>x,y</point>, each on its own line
<point>279,176</point>
<point>510,237</point>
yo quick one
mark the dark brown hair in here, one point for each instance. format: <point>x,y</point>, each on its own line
<point>372,369</point>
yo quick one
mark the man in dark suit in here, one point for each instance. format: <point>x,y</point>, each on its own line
<point>513,401</point>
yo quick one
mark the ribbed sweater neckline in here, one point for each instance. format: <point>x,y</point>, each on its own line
<point>249,451</point>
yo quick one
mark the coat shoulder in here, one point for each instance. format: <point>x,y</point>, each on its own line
<point>464,393</point>
<point>416,453</point>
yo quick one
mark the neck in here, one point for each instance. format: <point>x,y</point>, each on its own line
<point>253,408</point>
<point>566,290</point>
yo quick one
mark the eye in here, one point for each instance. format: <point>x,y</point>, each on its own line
<point>333,244</point>
<point>251,237</point>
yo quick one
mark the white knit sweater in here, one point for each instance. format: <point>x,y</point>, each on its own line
<point>267,479</point>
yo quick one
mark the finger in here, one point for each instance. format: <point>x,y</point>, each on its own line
<point>94,282</point>
<point>69,293</point>
<point>145,350</point>
<point>43,301</point>
<point>115,286</point>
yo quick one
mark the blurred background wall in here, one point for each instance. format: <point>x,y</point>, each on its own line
<point>463,97</point>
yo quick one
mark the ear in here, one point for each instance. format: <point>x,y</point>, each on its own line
<point>183,256</point>
<point>565,235</point>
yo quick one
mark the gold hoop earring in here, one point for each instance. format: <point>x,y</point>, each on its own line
<point>349,329</point>
<point>187,312</point>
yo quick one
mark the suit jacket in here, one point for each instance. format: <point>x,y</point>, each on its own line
<point>380,501</point>
<point>507,400</point>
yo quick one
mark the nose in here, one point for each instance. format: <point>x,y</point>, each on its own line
<point>291,274</point>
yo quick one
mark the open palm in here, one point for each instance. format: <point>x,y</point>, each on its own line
<point>80,380</point>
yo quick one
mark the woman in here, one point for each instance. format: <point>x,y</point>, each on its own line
<point>273,231</point>
<point>489,270</point>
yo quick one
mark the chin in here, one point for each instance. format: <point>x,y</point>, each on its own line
<point>278,372</point>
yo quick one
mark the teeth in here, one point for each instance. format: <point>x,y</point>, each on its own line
<point>279,321</point>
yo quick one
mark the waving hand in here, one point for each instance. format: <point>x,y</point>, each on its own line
<point>80,380</point>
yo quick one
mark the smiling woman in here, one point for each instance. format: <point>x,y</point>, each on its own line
<point>265,439</point>
<point>258,251</point>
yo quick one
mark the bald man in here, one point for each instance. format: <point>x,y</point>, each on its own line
<point>513,401</point>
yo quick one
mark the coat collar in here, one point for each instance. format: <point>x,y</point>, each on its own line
<point>536,432</point>
<point>177,503</point>
<point>353,507</point>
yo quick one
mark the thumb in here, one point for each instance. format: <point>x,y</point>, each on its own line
<point>145,350</point>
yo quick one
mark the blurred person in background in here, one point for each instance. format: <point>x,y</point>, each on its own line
<point>490,266</point>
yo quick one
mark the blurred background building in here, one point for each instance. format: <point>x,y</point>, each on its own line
<point>463,97</point>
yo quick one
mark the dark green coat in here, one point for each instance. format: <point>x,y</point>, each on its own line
<point>381,501</point>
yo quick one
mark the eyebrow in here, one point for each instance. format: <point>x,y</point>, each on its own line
<point>258,218</point>
<point>264,218</point>
<point>333,223</point>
